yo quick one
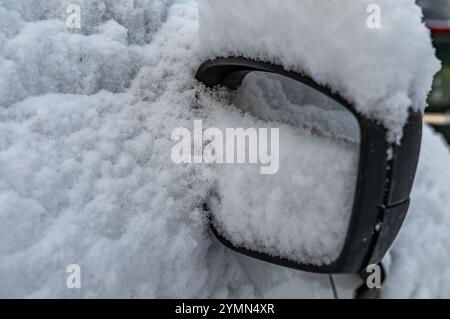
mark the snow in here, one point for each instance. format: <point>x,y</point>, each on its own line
<point>85,171</point>
<point>420,258</point>
<point>141,18</point>
<point>322,40</point>
<point>45,49</point>
<point>280,214</point>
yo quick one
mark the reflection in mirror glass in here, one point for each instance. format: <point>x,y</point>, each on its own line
<point>301,213</point>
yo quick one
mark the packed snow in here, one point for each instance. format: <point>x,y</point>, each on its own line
<point>85,173</point>
<point>322,40</point>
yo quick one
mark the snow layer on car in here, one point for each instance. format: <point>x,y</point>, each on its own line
<point>420,258</point>
<point>374,68</point>
<point>86,177</point>
<point>141,18</point>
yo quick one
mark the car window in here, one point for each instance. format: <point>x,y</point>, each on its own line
<point>435,9</point>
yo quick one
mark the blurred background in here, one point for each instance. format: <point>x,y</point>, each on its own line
<point>437,17</point>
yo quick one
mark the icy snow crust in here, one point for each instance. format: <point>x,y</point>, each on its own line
<point>85,170</point>
<point>330,41</point>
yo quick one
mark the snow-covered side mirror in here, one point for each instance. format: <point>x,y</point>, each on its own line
<point>342,192</point>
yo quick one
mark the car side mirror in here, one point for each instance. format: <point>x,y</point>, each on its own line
<point>342,192</point>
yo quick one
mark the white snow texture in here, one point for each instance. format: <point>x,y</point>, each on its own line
<point>85,123</point>
<point>302,213</point>
<point>322,39</point>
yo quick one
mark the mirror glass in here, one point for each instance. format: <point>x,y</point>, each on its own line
<point>299,206</point>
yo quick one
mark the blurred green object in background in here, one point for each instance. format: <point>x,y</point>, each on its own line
<point>437,17</point>
<point>439,99</point>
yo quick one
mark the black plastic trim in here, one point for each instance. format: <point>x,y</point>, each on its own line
<point>406,159</point>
